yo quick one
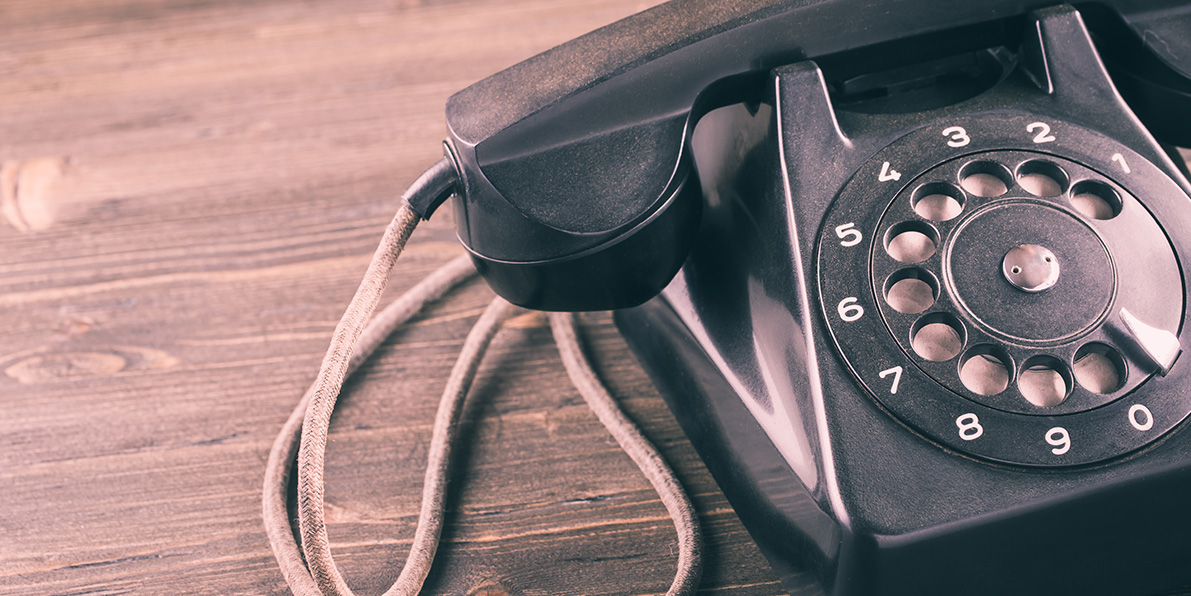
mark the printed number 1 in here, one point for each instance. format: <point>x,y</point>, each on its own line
<point>897,377</point>
<point>1120,159</point>
<point>888,173</point>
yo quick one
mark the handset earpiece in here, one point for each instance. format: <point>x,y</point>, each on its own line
<point>577,190</point>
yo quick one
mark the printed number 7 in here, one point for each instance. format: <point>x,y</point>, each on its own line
<point>897,377</point>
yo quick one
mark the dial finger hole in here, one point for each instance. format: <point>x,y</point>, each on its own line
<point>937,201</point>
<point>986,369</point>
<point>1045,381</point>
<point>1095,200</point>
<point>937,337</point>
<point>911,291</point>
<point>911,242</point>
<point>1042,178</point>
<point>985,178</point>
<point>1100,368</point>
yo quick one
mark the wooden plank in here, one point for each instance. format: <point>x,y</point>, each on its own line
<point>192,191</point>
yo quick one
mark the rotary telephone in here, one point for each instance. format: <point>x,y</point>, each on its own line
<point>911,275</point>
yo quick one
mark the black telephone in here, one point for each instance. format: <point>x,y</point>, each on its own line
<point>916,286</point>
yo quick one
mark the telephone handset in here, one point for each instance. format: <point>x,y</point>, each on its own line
<point>922,271</point>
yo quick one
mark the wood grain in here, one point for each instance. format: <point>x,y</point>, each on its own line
<point>190,191</point>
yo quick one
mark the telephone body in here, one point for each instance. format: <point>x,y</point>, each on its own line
<point>998,157</point>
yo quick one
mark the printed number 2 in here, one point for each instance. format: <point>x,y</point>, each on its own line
<point>897,377</point>
<point>888,173</point>
<point>1043,130</point>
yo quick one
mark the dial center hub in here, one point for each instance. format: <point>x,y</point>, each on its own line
<point>1031,268</point>
<point>1003,264</point>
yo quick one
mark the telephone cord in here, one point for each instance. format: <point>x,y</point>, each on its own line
<point>643,453</point>
<point>285,447</point>
<point>352,343</point>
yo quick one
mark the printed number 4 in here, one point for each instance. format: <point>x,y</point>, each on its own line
<point>888,173</point>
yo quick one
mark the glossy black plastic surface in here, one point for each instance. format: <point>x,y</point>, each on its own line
<point>568,153</point>
<point>844,489</point>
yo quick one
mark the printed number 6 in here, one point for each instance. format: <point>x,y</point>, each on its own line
<point>848,309</point>
<point>848,234</point>
<point>959,136</point>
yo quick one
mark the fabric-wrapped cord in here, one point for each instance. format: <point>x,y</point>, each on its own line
<point>310,569</point>
<point>642,452</point>
<point>285,447</point>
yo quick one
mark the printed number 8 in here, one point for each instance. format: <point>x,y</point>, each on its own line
<point>969,427</point>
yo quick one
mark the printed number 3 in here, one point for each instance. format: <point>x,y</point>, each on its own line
<point>959,136</point>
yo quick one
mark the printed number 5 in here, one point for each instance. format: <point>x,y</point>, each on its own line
<point>848,234</point>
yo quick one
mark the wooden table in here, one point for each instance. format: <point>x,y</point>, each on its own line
<point>190,193</point>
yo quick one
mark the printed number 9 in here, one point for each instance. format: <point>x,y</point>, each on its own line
<point>1059,438</point>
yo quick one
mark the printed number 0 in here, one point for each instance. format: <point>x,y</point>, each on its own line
<point>959,136</point>
<point>1139,424</point>
<point>848,234</point>
<point>1043,130</point>
<point>848,309</point>
<point>1059,438</point>
<point>969,427</point>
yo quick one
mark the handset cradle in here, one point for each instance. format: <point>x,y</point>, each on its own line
<point>922,297</point>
